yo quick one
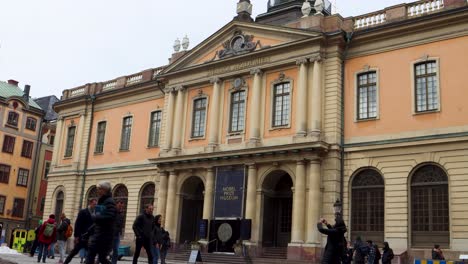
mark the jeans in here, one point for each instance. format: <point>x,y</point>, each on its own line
<point>62,245</point>
<point>163,254</point>
<point>146,243</point>
<point>34,247</point>
<point>115,249</point>
<point>42,252</point>
<point>52,249</point>
<point>155,254</point>
<point>81,245</point>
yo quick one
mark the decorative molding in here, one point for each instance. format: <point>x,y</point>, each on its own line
<point>281,78</point>
<point>238,44</point>
<point>256,71</point>
<point>424,57</point>
<point>366,68</point>
<point>302,61</point>
<point>180,88</point>
<point>238,84</point>
<point>319,58</point>
<point>214,80</point>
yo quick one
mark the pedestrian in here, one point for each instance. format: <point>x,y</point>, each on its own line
<point>47,234</point>
<point>387,255</point>
<point>437,253</point>
<point>143,227</point>
<point>119,226</point>
<point>378,256</point>
<point>360,251</point>
<point>371,252</point>
<point>83,223</point>
<point>62,236</point>
<point>166,244</point>
<point>100,242</point>
<point>51,249</point>
<point>348,257</point>
<point>334,250</point>
<point>157,239</point>
<point>36,239</point>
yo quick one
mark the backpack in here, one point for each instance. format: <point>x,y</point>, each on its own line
<point>48,230</point>
<point>69,231</point>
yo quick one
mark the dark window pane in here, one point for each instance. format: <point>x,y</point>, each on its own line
<point>198,119</point>
<point>101,133</point>
<point>367,95</point>
<point>18,208</point>
<point>4,173</point>
<point>281,104</point>
<point>8,144</point>
<point>126,133</point>
<point>23,175</point>
<point>31,123</point>
<point>147,196</point>
<point>13,119</point>
<point>27,149</point>
<point>155,128</point>
<point>426,94</point>
<point>70,141</point>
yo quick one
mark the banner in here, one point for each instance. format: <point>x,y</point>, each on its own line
<point>229,192</point>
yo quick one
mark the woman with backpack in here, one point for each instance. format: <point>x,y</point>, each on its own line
<point>47,235</point>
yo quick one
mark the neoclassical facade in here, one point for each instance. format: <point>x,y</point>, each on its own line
<point>266,124</point>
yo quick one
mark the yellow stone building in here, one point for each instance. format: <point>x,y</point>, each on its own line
<point>273,121</point>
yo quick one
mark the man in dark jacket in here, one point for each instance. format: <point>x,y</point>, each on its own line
<point>334,250</point>
<point>360,251</point>
<point>61,235</point>
<point>100,242</point>
<point>371,254</point>
<point>119,225</point>
<point>387,255</point>
<point>83,222</point>
<point>144,230</point>
<point>36,239</point>
<point>437,253</point>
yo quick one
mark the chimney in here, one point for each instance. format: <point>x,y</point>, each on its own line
<point>27,88</point>
<point>13,82</point>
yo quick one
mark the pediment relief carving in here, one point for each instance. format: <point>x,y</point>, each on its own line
<point>238,44</point>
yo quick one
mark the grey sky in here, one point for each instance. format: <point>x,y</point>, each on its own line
<point>60,44</point>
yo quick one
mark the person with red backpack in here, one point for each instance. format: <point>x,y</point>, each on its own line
<point>63,233</point>
<point>47,235</point>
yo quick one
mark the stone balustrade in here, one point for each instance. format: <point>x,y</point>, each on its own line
<point>77,91</point>
<point>370,20</point>
<point>134,79</point>
<point>424,7</point>
<point>109,85</point>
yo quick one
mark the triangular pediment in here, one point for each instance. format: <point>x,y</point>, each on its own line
<point>236,39</point>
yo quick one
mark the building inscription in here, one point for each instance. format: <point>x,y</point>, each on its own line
<point>240,66</point>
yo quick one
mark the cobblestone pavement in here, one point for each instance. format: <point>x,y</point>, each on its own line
<point>25,259</point>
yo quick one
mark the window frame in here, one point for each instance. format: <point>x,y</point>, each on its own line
<point>7,149</point>
<point>22,184</point>
<point>14,210</point>
<point>281,79</point>
<point>47,166</point>
<point>244,110</point>
<point>202,122</point>
<point>366,70</point>
<point>9,121</point>
<point>29,150</point>
<point>129,138</point>
<point>151,133</point>
<point>7,177</point>
<point>425,59</point>
<point>70,144</point>
<point>99,145</point>
<point>2,208</point>
<point>29,121</point>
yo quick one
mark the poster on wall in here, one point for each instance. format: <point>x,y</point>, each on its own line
<point>229,192</point>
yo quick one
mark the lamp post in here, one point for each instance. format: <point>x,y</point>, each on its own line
<point>337,207</point>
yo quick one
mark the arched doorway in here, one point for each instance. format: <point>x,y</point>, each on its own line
<point>192,208</point>
<point>430,222</point>
<point>367,206</point>
<point>277,209</point>
<point>92,194</point>
<point>120,193</point>
<point>59,204</point>
<point>146,196</point>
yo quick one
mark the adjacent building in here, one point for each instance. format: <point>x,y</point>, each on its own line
<point>255,133</point>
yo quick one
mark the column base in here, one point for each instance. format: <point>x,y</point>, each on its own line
<point>253,142</point>
<point>300,137</point>
<point>314,135</point>
<point>212,147</point>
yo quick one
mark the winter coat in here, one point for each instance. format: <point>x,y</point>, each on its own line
<point>119,224</point>
<point>158,235</point>
<point>104,221</point>
<point>166,240</point>
<point>143,227</point>
<point>334,250</point>
<point>44,239</point>
<point>83,222</point>
<point>387,256</point>
<point>360,252</point>
<point>62,229</point>
<point>437,255</point>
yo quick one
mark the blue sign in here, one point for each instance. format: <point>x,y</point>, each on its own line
<point>229,192</point>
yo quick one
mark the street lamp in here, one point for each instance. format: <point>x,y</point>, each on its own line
<point>338,207</point>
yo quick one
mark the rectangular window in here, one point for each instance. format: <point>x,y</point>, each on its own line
<point>101,133</point>
<point>23,175</point>
<point>367,96</point>
<point>18,208</point>
<point>237,111</point>
<point>281,104</point>
<point>198,118</point>
<point>9,144</point>
<point>27,149</point>
<point>2,204</point>
<point>42,204</point>
<point>13,119</point>
<point>155,128</point>
<point>51,139</point>
<point>31,123</point>
<point>70,141</point>
<point>427,98</point>
<point>126,133</point>
<point>4,173</point>
<point>46,169</point>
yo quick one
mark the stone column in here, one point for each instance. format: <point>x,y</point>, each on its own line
<point>301,111</point>
<point>178,119</point>
<point>255,107</point>
<point>78,141</point>
<point>316,115</point>
<point>171,203</point>
<point>214,113</point>
<point>297,232</point>
<point>59,142</point>
<point>169,120</point>
<point>162,195</point>
<point>314,203</point>
<point>251,211</point>
<point>209,191</point>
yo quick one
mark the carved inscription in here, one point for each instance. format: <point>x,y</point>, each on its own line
<point>239,66</point>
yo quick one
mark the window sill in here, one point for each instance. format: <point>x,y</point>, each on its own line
<point>427,112</point>
<point>280,127</point>
<point>26,157</point>
<point>11,126</point>
<point>67,158</point>
<point>153,147</point>
<point>98,153</point>
<point>196,139</point>
<point>366,120</point>
<point>235,134</point>
<point>19,185</point>
<point>124,150</point>
<point>33,130</point>
<point>7,152</point>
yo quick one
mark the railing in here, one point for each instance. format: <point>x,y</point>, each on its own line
<point>109,85</point>
<point>209,242</point>
<point>157,71</point>
<point>77,91</point>
<point>134,79</point>
<point>424,7</point>
<point>370,20</point>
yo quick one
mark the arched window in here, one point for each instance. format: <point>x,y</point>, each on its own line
<point>429,207</point>
<point>59,204</point>
<point>121,194</point>
<point>147,196</point>
<point>367,205</point>
<point>92,193</point>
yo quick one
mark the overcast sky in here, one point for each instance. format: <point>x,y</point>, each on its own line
<point>61,44</point>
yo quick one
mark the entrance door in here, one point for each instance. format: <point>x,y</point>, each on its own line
<point>192,209</point>
<point>277,206</point>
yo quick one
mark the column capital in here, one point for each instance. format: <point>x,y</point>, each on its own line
<point>163,173</point>
<point>256,71</point>
<point>209,169</point>
<point>173,172</point>
<point>215,80</point>
<point>169,90</point>
<point>252,165</point>
<point>315,161</point>
<point>301,162</point>
<point>319,58</point>
<point>302,61</point>
<point>180,88</point>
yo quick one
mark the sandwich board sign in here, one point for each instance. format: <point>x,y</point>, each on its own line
<point>195,257</point>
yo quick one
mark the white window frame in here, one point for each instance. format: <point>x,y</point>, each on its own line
<point>366,69</point>
<point>425,58</point>
<point>272,101</point>
<point>199,96</point>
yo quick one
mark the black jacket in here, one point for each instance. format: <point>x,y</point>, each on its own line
<point>334,250</point>
<point>360,252</point>
<point>83,222</point>
<point>158,235</point>
<point>104,220</point>
<point>119,223</point>
<point>143,227</point>
<point>62,229</point>
<point>387,256</point>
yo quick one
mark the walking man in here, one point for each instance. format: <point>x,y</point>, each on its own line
<point>83,222</point>
<point>144,230</point>
<point>36,239</point>
<point>100,242</point>
<point>119,225</point>
<point>47,234</point>
<point>371,252</point>
<point>61,236</point>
